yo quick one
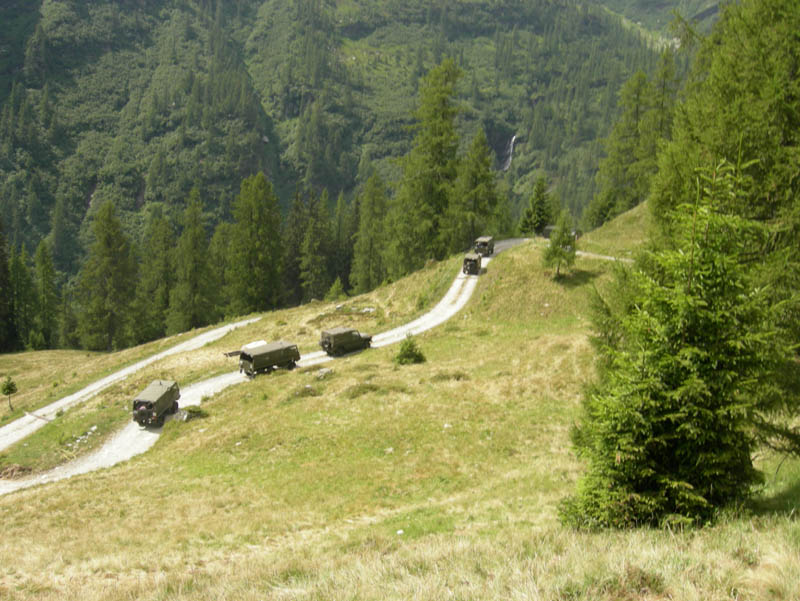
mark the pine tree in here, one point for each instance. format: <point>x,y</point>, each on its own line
<point>342,237</point>
<point>474,196</point>
<point>254,261</point>
<point>45,323</point>
<point>561,250</point>
<point>314,252</point>
<point>106,284</point>
<point>294,233</point>
<point>687,392</point>
<point>429,170</point>
<point>192,301</point>
<point>537,213</point>
<point>156,279</point>
<point>8,337</point>
<point>368,266</point>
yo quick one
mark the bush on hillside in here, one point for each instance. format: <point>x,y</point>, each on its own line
<point>409,352</point>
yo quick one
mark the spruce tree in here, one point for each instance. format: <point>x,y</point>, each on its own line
<point>293,235</point>
<point>7,331</point>
<point>474,196</point>
<point>45,324</point>
<point>560,252</point>
<point>687,391</point>
<point>156,279</point>
<point>418,210</point>
<point>106,284</point>
<point>315,250</point>
<point>368,266</point>
<point>537,214</point>
<point>254,261</point>
<point>192,301</point>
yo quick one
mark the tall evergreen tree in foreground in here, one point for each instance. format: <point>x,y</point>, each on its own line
<point>560,252</point>
<point>106,284</point>
<point>687,392</point>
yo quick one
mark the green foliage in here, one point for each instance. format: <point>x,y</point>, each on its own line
<point>315,250</point>
<point>687,391</point>
<point>193,299</point>
<point>429,170</point>
<point>156,278</point>
<point>336,291</point>
<point>743,104</point>
<point>254,256</point>
<point>368,266</point>
<point>537,214</point>
<point>409,352</point>
<point>45,323</point>
<point>625,173</point>
<point>474,198</point>
<point>7,331</point>
<point>560,251</point>
<point>106,284</point>
<point>9,388</point>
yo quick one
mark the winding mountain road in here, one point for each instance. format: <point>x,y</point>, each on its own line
<point>133,440</point>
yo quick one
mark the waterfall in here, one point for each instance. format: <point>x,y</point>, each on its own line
<point>509,153</point>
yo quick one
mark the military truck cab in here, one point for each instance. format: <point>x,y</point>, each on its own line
<point>341,340</point>
<point>472,264</point>
<point>152,404</point>
<point>262,357</point>
<point>484,246</point>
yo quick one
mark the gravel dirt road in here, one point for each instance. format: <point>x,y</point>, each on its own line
<point>133,440</point>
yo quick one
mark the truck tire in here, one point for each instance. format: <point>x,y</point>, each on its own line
<point>174,409</point>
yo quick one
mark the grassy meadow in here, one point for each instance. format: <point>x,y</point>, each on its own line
<point>375,481</point>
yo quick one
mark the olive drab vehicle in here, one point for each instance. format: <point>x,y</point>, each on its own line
<point>472,264</point>
<point>484,246</point>
<point>338,341</point>
<point>262,357</point>
<point>152,404</point>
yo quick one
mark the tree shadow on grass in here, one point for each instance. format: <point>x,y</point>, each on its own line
<point>577,278</point>
<point>786,502</point>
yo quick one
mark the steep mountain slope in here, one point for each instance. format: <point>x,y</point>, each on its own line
<point>141,101</point>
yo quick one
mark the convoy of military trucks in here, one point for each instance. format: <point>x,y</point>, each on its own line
<point>160,397</point>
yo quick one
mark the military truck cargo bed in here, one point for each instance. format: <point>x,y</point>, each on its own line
<point>262,357</point>
<point>152,404</point>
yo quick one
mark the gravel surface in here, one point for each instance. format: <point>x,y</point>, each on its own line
<point>133,440</point>
<point>27,425</point>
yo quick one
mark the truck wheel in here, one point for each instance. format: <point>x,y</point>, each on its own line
<point>174,408</point>
<point>160,420</point>
<point>291,365</point>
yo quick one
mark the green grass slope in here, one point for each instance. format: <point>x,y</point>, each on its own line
<point>434,481</point>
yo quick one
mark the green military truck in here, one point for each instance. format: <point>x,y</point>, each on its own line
<point>262,357</point>
<point>341,340</point>
<point>484,246</point>
<point>472,264</point>
<point>152,404</point>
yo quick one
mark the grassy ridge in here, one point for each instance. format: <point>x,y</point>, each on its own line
<point>433,481</point>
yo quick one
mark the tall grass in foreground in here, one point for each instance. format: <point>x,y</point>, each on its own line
<point>432,481</point>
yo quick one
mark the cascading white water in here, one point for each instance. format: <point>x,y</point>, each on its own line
<point>510,153</point>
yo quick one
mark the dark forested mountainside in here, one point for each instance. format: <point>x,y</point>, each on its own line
<point>141,101</point>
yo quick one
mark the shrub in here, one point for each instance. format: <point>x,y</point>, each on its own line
<point>409,352</point>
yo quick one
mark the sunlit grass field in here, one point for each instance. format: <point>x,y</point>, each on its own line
<point>375,481</point>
